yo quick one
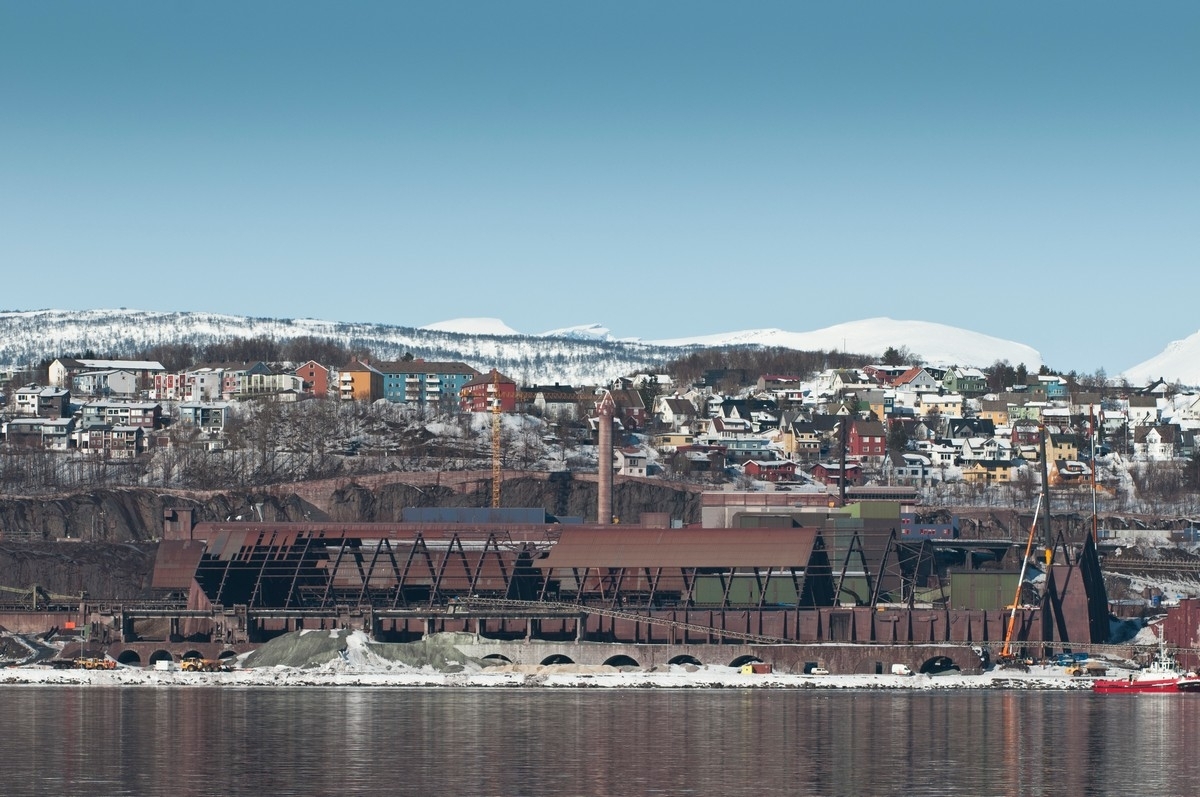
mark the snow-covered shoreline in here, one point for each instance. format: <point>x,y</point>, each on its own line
<point>341,658</point>
<point>553,676</point>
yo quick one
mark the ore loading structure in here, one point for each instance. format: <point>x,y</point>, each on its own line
<point>775,577</point>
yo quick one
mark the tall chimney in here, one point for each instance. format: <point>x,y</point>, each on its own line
<point>604,506</point>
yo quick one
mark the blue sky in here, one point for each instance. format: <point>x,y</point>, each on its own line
<point>1025,170</point>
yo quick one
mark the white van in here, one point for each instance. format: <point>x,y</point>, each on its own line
<point>901,669</point>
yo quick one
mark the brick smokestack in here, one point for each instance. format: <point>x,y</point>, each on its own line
<point>604,505</point>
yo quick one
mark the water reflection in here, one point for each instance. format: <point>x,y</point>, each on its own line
<point>260,741</point>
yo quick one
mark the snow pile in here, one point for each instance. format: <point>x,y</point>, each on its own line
<point>353,651</point>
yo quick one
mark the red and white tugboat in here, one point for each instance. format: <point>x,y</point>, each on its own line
<point>1163,676</point>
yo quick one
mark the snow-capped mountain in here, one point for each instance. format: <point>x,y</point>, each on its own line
<point>1178,362</point>
<point>472,326</point>
<point>575,355</point>
<point>936,344</point>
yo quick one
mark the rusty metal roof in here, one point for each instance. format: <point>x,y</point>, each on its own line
<point>640,547</point>
<point>175,563</point>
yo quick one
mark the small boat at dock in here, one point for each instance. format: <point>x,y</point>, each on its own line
<point>1163,675</point>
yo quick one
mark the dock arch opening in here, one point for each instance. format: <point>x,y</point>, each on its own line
<point>621,661</point>
<point>557,658</point>
<point>496,659</point>
<point>129,658</point>
<point>938,664</point>
<point>685,659</point>
<point>160,655</point>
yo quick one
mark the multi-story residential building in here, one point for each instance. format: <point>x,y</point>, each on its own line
<point>770,470</point>
<point>204,383</point>
<point>116,382</point>
<point>906,468</point>
<point>143,414</point>
<point>1142,411</point>
<point>867,442</point>
<point>210,418</point>
<point>556,402</point>
<point>1159,443</point>
<point>55,434</point>
<point>121,442</point>
<point>35,401</point>
<point>168,386</point>
<point>317,379</point>
<point>988,449</point>
<point>629,461</point>
<point>282,385</point>
<point>970,382</point>
<point>801,440</point>
<point>971,427</point>
<point>831,473</point>
<point>1056,387</point>
<point>631,409</point>
<point>987,472</point>
<point>421,383</point>
<point>918,380</point>
<point>1062,446</point>
<point>995,411</point>
<point>669,441</point>
<point>64,369</point>
<point>675,412</point>
<point>360,381</point>
<point>487,391</point>
<point>948,405</point>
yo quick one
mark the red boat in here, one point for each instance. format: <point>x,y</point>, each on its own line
<point>1162,676</point>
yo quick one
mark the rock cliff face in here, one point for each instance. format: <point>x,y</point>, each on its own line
<point>111,533</point>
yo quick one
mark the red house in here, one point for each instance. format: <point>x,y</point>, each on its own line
<point>830,473</point>
<point>316,378</point>
<point>867,441</point>
<point>482,393</point>
<point>780,470</point>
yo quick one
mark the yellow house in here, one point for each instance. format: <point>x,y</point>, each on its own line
<point>1062,446</point>
<point>994,411</point>
<point>987,472</point>
<point>673,439</point>
<point>358,381</point>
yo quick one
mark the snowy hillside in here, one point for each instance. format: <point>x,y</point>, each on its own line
<point>585,354</point>
<point>1179,362</point>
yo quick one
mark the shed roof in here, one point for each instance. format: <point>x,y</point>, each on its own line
<point>640,547</point>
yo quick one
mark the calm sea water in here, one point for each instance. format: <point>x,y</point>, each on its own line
<point>355,741</point>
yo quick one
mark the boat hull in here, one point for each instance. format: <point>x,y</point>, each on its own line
<point>1136,685</point>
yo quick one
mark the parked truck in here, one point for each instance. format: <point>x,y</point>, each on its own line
<point>901,669</point>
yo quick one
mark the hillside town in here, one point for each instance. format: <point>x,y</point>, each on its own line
<point>918,426</point>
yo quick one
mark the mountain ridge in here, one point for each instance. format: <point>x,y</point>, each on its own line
<point>587,353</point>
